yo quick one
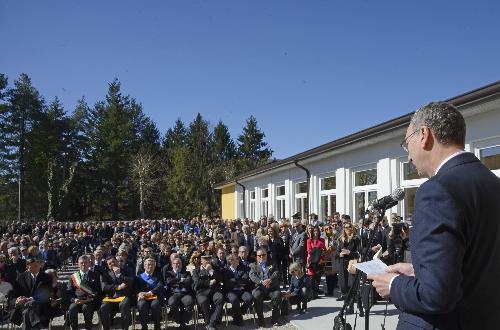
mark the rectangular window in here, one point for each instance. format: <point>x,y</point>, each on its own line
<point>328,205</point>
<point>301,207</point>
<point>324,206</point>
<point>265,208</point>
<point>359,204</point>
<point>333,204</point>
<point>410,171</point>
<point>409,201</point>
<point>252,194</point>
<point>490,157</point>
<point>280,208</point>
<point>280,191</point>
<point>265,193</point>
<point>365,178</point>
<point>301,188</point>
<point>252,210</point>
<point>361,201</point>
<point>329,183</point>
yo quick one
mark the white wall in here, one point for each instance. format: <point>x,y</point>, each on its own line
<point>483,127</point>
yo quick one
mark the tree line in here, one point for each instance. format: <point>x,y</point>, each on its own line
<point>110,161</point>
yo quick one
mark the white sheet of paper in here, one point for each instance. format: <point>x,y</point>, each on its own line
<point>375,266</point>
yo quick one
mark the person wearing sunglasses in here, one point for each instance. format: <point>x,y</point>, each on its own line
<point>266,279</point>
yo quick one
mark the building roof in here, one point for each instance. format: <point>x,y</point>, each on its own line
<point>394,124</point>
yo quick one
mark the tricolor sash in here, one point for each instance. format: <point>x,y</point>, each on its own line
<point>81,284</point>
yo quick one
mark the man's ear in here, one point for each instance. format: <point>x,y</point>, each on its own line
<point>426,138</point>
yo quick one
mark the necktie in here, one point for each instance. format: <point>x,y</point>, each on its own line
<point>178,275</point>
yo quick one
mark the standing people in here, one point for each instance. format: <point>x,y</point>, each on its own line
<point>348,246</point>
<point>298,245</point>
<point>315,250</point>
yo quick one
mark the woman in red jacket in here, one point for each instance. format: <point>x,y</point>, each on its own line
<point>315,250</point>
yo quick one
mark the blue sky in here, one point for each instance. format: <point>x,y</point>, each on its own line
<point>309,71</point>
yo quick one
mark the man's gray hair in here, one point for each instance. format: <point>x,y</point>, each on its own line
<point>444,120</point>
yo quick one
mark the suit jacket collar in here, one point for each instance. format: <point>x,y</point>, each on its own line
<point>460,159</point>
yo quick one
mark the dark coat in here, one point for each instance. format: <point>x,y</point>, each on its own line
<point>93,281</point>
<point>110,283</point>
<point>40,292</point>
<point>202,278</point>
<point>237,281</point>
<point>176,285</point>
<point>455,251</point>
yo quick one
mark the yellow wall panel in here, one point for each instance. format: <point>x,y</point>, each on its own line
<point>228,196</point>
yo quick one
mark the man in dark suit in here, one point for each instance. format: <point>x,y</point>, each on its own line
<point>151,294</point>
<point>219,262</point>
<point>266,280</point>
<point>84,290</point>
<point>179,283</point>
<point>237,287</point>
<point>207,285</point>
<point>456,217</point>
<point>31,297</point>
<point>118,282</point>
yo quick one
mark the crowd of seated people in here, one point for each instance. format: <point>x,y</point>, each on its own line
<point>185,265</point>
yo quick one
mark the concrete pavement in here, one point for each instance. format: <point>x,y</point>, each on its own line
<point>322,311</point>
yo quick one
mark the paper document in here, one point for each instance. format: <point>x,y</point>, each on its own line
<point>375,266</point>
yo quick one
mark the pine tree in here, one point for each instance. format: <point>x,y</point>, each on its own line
<point>24,111</point>
<point>252,149</point>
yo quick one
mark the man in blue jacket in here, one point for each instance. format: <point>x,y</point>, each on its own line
<point>452,282</point>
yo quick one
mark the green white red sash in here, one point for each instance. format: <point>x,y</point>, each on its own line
<point>81,284</point>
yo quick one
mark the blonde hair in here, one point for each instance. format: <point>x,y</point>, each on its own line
<point>297,268</point>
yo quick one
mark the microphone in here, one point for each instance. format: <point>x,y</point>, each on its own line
<point>388,201</point>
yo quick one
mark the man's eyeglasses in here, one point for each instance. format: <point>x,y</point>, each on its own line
<point>261,255</point>
<point>404,144</point>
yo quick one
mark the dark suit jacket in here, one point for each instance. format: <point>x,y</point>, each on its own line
<point>202,278</point>
<point>40,292</point>
<point>176,285</point>
<point>109,283</point>
<point>455,251</point>
<point>93,282</point>
<point>237,281</point>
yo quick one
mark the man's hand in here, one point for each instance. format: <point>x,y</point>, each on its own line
<point>267,283</point>
<point>401,268</point>
<point>381,283</point>
<point>121,286</point>
<point>376,248</point>
<point>21,300</point>
<point>344,252</point>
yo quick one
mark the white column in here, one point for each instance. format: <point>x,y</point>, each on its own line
<point>384,186</point>
<point>271,194</point>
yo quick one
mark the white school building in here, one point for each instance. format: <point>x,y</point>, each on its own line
<point>345,175</point>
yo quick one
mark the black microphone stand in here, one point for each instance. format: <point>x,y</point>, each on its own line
<point>339,321</point>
